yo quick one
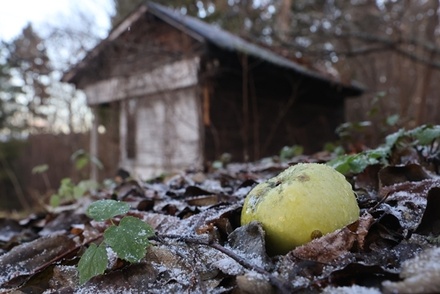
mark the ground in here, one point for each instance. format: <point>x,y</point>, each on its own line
<point>198,245</point>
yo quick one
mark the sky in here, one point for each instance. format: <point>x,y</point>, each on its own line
<point>45,15</point>
<point>16,14</point>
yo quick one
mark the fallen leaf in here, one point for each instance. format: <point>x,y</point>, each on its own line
<point>30,258</point>
<point>420,274</point>
<point>430,223</point>
<point>362,275</point>
<point>391,175</point>
<point>333,246</point>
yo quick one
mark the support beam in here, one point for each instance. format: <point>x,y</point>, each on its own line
<point>94,141</point>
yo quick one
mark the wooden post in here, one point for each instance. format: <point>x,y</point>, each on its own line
<point>245,97</point>
<point>206,106</point>
<point>94,141</point>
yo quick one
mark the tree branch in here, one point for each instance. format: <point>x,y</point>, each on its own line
<point>384,44</point>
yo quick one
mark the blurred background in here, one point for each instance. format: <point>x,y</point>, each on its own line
<point>390,47</point>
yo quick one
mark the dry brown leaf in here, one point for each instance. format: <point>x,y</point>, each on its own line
<point>333,246</point>
<point>29,258</point>
<point>415,188</point>
<point>430,223</point>
<point>254,284</point>
<point>420,274</point>
<point>391,175</point>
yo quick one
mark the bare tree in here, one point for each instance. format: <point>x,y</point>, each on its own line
<point>391,47</point>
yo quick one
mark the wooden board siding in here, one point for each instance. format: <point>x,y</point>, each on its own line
<point>142,66</point>
<point>149,43</point>
<point>179,74</point>
<point>167,133</point>
<point>150,58</point>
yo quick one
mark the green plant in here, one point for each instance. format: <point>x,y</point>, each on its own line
<point>386,123</point>
<point>223,161</point>
<point>334,148</point>
<point>424,139</point>
<point>346,130</point>
<point>288,152</point>
<point>82,158</point>
<point>129,239</point>
<point>42,170</point>
<point>355,134</point>
<point>356,163</point>
<point>69,191</point>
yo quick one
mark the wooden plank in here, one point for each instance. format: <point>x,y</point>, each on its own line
<point>173,76</point>
<point>167,133</point>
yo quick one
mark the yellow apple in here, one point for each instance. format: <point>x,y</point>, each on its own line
<point>303,202</point>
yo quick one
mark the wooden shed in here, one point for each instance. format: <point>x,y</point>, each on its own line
<point>177,92</point>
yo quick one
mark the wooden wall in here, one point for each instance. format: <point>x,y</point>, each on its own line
<point>276,108</point>
<point>55,151</point>
<point>150,43</point>
<point>167,133</point>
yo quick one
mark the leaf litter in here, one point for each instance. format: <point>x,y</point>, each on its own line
<point>200,247</point>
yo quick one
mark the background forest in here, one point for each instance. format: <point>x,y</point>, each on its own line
<point>390,47</point>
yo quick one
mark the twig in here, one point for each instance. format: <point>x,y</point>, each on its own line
<point>280,284</point>
<point>370,210</point>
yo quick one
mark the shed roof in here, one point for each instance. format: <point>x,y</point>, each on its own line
<point>205,32</point>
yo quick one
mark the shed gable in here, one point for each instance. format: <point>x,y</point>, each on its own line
<point>148,43</point>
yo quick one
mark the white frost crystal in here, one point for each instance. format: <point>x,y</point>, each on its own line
<point>421,274</point>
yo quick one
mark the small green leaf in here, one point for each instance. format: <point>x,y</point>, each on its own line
<point>425,135</point>
<point>81,158</point>
<point>65,191</point>
<point>81,162</point>
<point>84,186</point>
<point>77,154</point>
<point>130,239</point>
<point>89,184</point>
<point>356,163</point>
<point>361,161</point>
<point>39,169</point>
<point>92,263</point>
<point>391,139</point>
<point>96,162</point>
<point>55,200</point>
<point>341,163</point>
<point>106,209</point>
<point>78,192</point>
<point>290,152</point>
<point>217,164</point>
<point>392,120</point>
